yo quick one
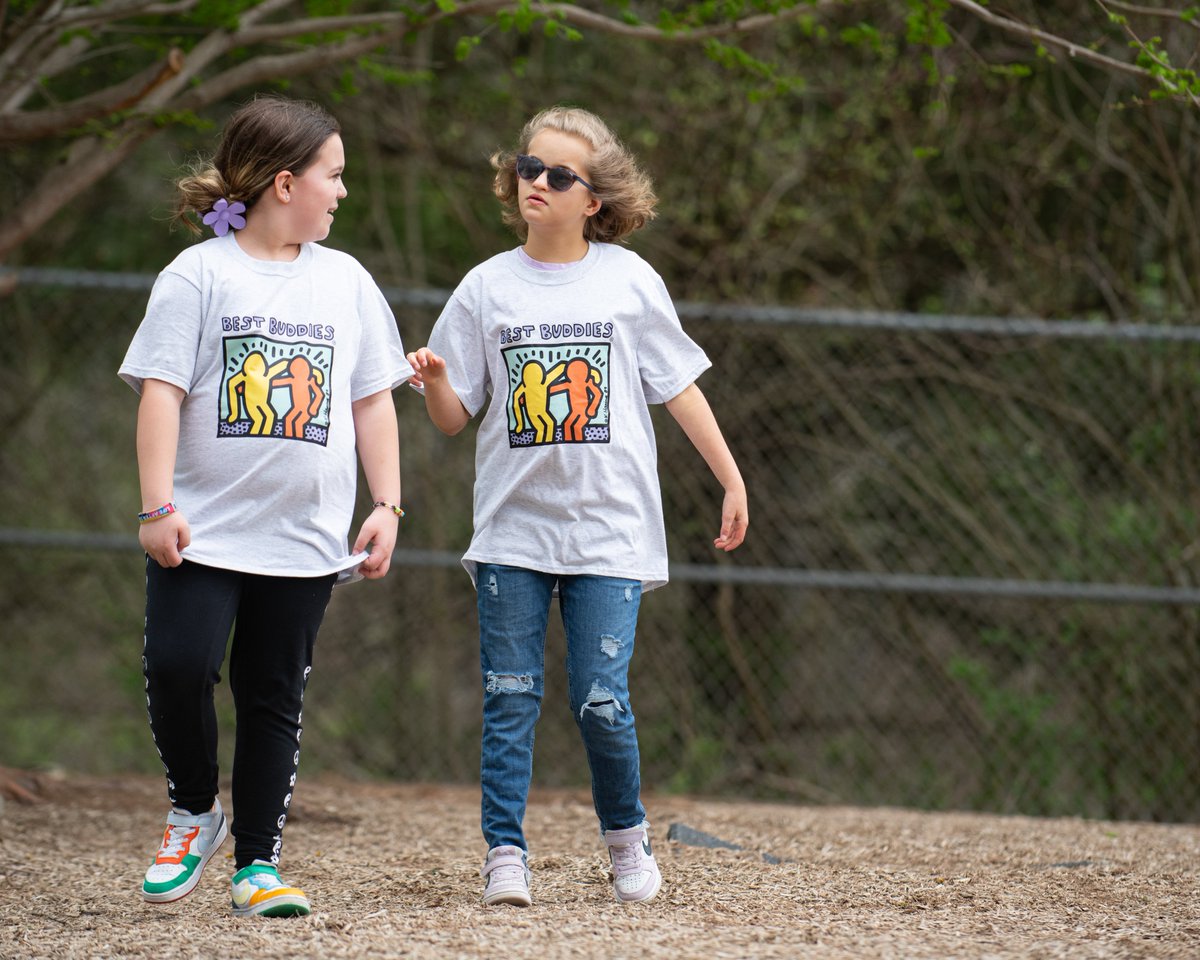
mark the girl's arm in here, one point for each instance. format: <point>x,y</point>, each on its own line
<point>378,442</point>
<point>692,412</point>
<point>157,445</point>
<point>441,402</point>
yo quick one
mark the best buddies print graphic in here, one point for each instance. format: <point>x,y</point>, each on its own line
<point>557,393</point>
<point>276,388</point>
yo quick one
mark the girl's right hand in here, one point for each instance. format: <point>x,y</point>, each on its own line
<point>428,365</point>
<point>162,539</point>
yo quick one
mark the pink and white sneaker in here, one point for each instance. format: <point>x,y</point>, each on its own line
<point>507,874</point>
<point>635,871</point>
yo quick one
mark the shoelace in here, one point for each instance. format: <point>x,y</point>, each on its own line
<point>507,873</point>
<point>175,841</point>
<point>627,857</point>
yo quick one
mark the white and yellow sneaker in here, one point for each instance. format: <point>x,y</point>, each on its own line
<point>258,891</point>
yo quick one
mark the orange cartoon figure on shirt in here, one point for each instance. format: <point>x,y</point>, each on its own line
<point>583,396</point>
<point>253,386</point>
<point>534,395</point>
<point>305,382</point>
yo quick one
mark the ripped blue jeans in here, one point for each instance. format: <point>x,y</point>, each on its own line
<point>600,618</point>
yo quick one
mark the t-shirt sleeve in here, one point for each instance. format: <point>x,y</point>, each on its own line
<point>668,359</point>
<point>381,364</point>
<point>457,338</point>
<point>167,341</point>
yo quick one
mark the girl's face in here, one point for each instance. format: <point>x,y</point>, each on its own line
<point>553,211</point>
<point>315,194</point>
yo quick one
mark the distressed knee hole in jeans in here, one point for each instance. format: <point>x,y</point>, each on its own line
<point>508,682</point>
<point>610,646</point>
<point>602,702</point>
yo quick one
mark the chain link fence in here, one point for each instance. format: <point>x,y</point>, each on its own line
<point>969,579</point>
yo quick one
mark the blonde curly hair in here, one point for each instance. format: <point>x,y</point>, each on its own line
<point>625,192</point>
<point>265,136</point>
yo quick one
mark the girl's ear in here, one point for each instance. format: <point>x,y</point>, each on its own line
<point>283,186</point>
<point>593,206</point>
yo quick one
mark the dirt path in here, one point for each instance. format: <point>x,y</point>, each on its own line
<point>392,872</point>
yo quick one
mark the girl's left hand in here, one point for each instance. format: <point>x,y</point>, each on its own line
<point>379,530</point>
<point>735,519</point>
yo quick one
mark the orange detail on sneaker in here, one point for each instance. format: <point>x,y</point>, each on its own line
<point>188,844</point>
<point>176,844</point>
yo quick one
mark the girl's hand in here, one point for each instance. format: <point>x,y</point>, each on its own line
<point>429,367</point>
<point>379,530</point>
<point>163,538</point>
<point>735,519</point>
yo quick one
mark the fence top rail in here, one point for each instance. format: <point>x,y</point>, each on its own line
<point>793,577</point>
<point>780,315</point>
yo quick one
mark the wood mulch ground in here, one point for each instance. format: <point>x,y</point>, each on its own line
<point>392,871</point>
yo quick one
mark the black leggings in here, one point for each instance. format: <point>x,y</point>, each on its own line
<point>189,612</point>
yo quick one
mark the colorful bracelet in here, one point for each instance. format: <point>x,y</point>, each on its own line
<point>391,506</point>
<point>162,511</point>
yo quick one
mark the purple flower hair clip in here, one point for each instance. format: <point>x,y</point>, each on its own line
<point>225,215</point>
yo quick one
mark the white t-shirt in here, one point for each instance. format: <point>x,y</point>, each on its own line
<point>271,355</point>
<point>566,477</point>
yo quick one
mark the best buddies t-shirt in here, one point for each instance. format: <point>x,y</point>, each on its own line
<point>270,355</point>
<point>566,477</point>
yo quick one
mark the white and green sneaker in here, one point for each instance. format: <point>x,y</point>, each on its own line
<point>188,844</point>
<point>258,891</point>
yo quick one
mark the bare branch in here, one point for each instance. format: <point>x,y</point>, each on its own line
<point>1073,50</point>
<point>565,13</point>
<point>284,66</point>
<point>90,160</point>
<point>35,125</point>
<point>578,16</point>
<point>1143,11</point>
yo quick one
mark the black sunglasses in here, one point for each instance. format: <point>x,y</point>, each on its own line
<point>559,178</point>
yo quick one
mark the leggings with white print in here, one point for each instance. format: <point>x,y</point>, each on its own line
<point>190,610</point>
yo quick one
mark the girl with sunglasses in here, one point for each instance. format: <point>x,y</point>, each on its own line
<point>572,338</point>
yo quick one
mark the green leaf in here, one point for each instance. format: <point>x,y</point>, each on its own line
<point>465,46</point>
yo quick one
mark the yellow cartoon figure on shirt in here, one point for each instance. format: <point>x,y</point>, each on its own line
<point>534,394</point>
<point>253,386</point>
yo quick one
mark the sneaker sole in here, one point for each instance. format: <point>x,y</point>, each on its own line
<point>181,891</point>
<point>278,907</point>
<point>514,898</point>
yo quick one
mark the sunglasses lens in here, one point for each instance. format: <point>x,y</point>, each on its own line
<point>529,168</point>
<point>559,179</point>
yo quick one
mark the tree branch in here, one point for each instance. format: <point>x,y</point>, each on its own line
<point>1142,11</point>
<point>1073,50</point>
<point>578,16</point>
<point>19,126</point>
<point>90,160</point>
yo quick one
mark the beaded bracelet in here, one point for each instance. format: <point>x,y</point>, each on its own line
<point>162,511</point>
<point>391,506</point>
